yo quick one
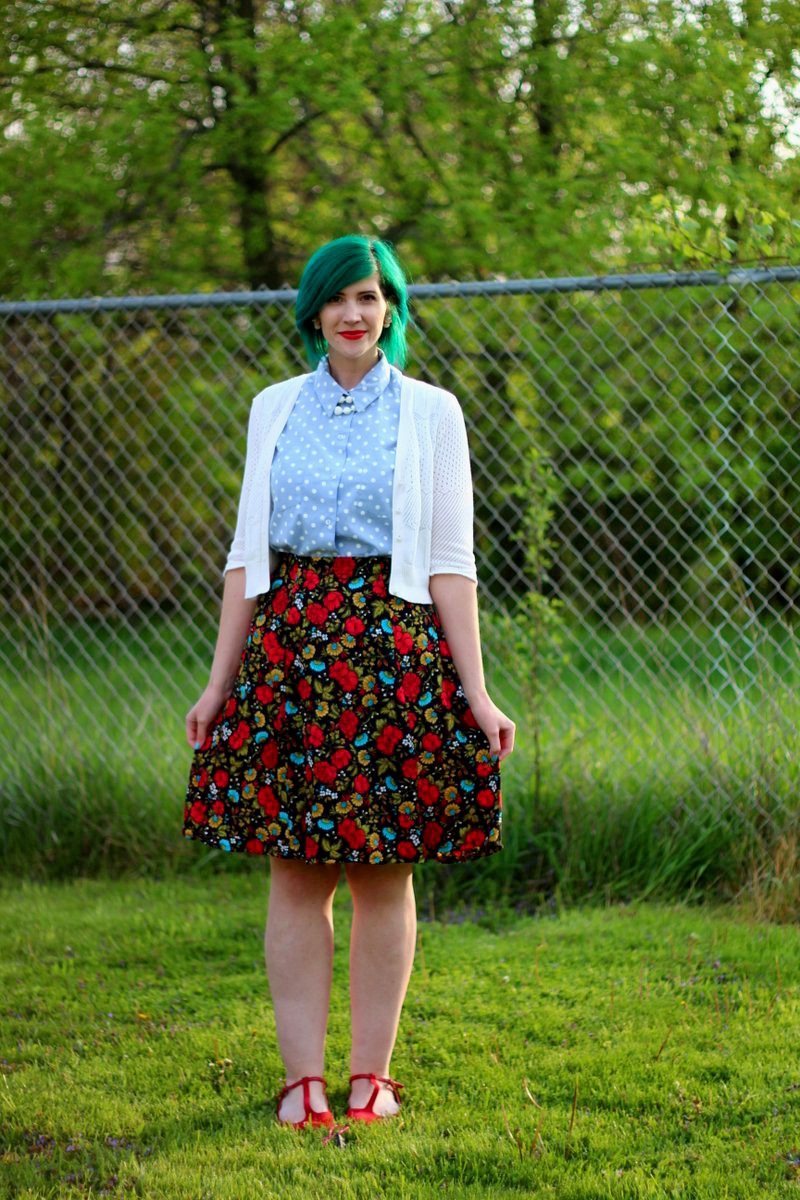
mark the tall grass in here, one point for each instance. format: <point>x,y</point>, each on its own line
<point>650,761</point>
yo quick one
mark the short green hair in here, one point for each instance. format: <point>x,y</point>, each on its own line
<point>334,267</point>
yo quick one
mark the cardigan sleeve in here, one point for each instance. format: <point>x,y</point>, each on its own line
<point>236,555</point>
<point>452,549</point>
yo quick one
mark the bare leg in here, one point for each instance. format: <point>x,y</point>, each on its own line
<point>298,948</point>
<point>382,947</point>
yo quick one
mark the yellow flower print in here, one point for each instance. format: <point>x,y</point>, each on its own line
<point>426,757</point>
<point>373,841</point>
<point>334,649</point>
<point>283,774</point>
<point>308,652</point>
<point>376,856</point>
<point>431,716</point>
<point>259,720</point>
<point>248,791</point>
<point>344,807</point>
<point>364,758</point>
<point>322,708</point>
<point>450,794</point>
<point>251,775</point>
<point>426,658</point>
<point>273,829</point>
<point>348,640</point>
<point>450,810</point>
<point>316,810</point>
<point>214,820</point>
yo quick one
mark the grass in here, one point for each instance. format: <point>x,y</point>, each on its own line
<point>668,762</point>
<point>639,1051</point>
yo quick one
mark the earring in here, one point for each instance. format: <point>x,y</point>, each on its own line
<point>317,324</point>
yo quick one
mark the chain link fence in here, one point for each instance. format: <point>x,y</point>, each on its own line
<point>636,454</point>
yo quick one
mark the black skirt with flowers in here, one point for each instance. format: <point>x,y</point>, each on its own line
<point>347,737</point>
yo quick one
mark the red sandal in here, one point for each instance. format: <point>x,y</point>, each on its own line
<point>368,1112</point>
<point>313,1118</point>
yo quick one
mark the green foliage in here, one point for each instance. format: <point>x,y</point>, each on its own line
<point>630,1052</point>
<point>176,145</point>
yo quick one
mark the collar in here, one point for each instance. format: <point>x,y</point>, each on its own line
<point>329,392</point>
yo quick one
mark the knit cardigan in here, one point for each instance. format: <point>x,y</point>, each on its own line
<point>431,493</point>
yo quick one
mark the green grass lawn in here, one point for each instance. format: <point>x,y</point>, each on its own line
<point>637,1051</point>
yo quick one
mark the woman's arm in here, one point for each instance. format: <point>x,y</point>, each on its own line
<point>456,601</point>
<point>234,626</point>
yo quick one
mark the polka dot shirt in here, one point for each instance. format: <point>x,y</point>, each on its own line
<point>333,469</point>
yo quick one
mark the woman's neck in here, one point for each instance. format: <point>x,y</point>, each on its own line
<point>349,373</point>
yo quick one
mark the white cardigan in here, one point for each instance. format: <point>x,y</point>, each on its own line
<point>431,495</point>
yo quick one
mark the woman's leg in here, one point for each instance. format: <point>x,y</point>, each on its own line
<point>382,946</point>
<point>298,948</point>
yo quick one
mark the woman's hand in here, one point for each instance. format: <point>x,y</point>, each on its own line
<point>200,718</point>
<point>498,728</point>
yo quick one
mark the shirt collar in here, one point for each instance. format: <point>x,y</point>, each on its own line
<point>329,392</point>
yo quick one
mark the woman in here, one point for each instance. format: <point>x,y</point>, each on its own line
<point>346,721</point>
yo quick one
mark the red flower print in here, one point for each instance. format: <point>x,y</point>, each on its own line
<point>202,778</point>
<point>431,741</point>
<point>444,649</point>
<point>230,707</point>
<point>379,586</point>
<point>469,719</point>
<point>354,626</point>
<point>332,600</point>
<point>484,768</point>
<point>340,758</point>
<point>411,768</point>
<point>353,834</point>
<point>317,613</point>
<point>311,578</point>
<point>405,821</point>
<point>254,846</point>
<point>198,812</point>
<point>388,739</point>
<point>312,848</point>
<point>411,719</point>
<point>407,850</point>
<point>448,691</point>
<point>239,736</point>
<point>474,839</point>
<point>315,735</point>
<point>221,778</point>
<point>361,784</point>
<point>344,675</point>
<point>402,640</point>
<point>325,772</point>
<point>348,723</point>
<point>485,797</point>
<point>280,601</point>
<point>432,835</point>
<point>304,688</point>
<point>410,687</point>
<point>428,792</point>
<point>218,807</point>
<point>293,616</point>
<point>269,755</point>
<point>272,647</point>
<point>264,693</point>
<point>269,802</point>
<point>343,569</point>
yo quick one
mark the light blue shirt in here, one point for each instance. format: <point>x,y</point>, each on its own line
<point>333,467</point>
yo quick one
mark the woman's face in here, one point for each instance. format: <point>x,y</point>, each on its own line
<point>352,321</point>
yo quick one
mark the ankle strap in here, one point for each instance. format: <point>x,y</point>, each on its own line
<point>305,1080</point>
<point>376,1079</point>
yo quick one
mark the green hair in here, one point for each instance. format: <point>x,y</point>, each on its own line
<point>334,267</point>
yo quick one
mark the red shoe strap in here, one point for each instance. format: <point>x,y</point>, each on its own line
<point>375,1080</point>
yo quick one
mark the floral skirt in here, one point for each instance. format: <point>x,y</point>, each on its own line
<point>347,737</point>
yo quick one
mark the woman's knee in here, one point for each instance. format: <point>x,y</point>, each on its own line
<point>375,884</point>
<point>303,883</point>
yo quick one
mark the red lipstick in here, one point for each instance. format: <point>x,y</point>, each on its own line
<point>353,335</point>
